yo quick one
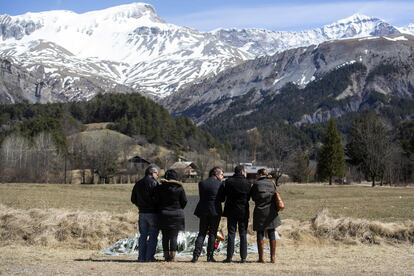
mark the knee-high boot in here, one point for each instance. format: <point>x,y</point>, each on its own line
<point>260,248</point>
<point>273,251</point>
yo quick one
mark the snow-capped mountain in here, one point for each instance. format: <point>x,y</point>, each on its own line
<point>264,42</point>
<point>409,29</point>
<point>130,45</point>
<point>127,44</point>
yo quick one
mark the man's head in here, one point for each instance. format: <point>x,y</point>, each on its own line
<point>216,172</point>
<point>152,170</point>
<point>240,170</point>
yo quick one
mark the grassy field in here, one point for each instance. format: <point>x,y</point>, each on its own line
<point>58,241</point>
<point>302,201</point>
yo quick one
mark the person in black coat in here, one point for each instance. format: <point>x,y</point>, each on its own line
<point>236,209</point>
<point>171,200</point>
<point>209,211</point>
<point>143,197</point>
<point>265,214</point>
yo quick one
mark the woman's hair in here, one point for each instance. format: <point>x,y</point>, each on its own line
<point>171,175</point>
<point>262,172</point>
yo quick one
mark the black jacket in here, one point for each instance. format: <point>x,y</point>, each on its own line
<point>211,193</point>
<point>265,215</point>
<point>143,195</point>
<point>171,200</point>
<point>237,195</point>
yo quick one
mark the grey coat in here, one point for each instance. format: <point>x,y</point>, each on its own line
<point>265,215</point>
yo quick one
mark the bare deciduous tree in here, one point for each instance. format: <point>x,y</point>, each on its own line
<point>369,146</point>
<point>36,161</point>
<point>280,149</point>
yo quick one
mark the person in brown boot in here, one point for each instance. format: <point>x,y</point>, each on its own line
<point>265,214</point>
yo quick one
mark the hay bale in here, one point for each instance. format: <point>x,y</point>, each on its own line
<point>54,227</point>
<point>361,230</point>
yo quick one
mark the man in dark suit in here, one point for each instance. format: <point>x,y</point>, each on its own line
<point>209,211</point>
<point>236,209</point>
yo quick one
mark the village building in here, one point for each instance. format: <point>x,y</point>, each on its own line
<point>185,169</point>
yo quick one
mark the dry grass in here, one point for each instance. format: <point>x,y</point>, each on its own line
<point>303,201</point>
<point>96,126</point>
<point>325,229</point>
<point>110,198</point>
<point>386,204</point>
<point>96,230</point>
<point>70,229</point>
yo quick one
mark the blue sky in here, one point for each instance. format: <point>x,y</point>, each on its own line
<point>206,15</point>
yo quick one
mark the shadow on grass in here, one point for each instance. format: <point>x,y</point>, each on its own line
<point>157,261</point>
<point>105,260</point>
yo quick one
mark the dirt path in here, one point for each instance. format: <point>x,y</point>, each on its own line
<point>292,260</point>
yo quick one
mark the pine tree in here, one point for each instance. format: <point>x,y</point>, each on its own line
<point>331,161</point>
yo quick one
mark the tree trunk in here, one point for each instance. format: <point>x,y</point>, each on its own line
<point>373,181</point>
<point>330,180</point>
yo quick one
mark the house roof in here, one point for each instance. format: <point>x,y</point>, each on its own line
<point>138,159</point>
<point>254,169</point>
<point>182,165</point>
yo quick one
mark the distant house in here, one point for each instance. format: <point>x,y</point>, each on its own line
<point>138,163</point>
<point>185,169</point>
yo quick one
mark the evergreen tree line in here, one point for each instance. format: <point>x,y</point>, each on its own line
<point>130,114</point>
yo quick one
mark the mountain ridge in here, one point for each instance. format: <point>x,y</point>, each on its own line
<point>131,45</point>
<point>267,76</point>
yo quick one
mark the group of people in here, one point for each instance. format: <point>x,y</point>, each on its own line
<point>161,208</point>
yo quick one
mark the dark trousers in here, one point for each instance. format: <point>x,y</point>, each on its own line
<point>270,234</point>
<point>148,236</point>
<point>208,224</point>
<point>169,240</point>
<point>232,224</point>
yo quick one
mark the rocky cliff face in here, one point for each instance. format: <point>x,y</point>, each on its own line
<point>37,85</point>
<point>387,69</point>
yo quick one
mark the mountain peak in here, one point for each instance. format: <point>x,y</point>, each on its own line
<point>128,10</point>
<point>134,10</point>
<point>357,17</point>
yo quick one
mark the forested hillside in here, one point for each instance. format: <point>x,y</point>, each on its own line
<point>130,114</point>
